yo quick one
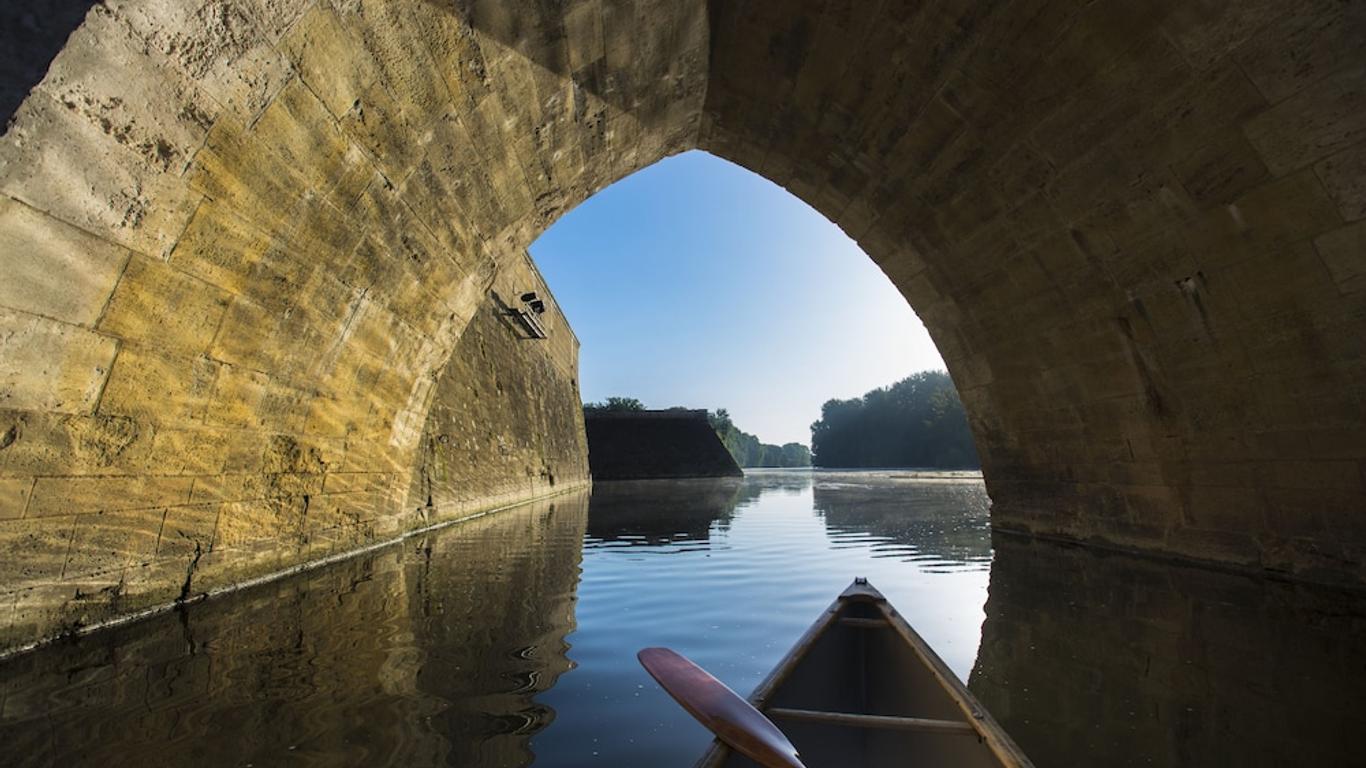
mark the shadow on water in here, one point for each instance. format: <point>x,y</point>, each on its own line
<point>683,512</point>
<point>453,648</point>
<point>1090,658</point>
<point>661,512</point>
<point>427,653</point>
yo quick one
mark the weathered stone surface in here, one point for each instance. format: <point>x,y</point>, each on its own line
<point>159,306</point>
<point>505,419</point>
<point>1344,253</point>
<point>47,366</point>
<point>53,269</point>
<point>1344,175</point>
<point>14,493</point>
<point>1131,228</point>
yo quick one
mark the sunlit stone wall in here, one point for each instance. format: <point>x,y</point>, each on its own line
<point>506,420</point>
<point>241,239</point>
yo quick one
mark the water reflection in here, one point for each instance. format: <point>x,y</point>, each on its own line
<point>425,654</point>
<point>511,639</point>
<point>1099,659</point>
<point>938,520</point>
<point>676,514</point>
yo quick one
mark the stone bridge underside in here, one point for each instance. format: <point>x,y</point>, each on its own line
<point>241,240</point>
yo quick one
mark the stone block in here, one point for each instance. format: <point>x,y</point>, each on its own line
<point>34,549</point>
<point>584,35</point>
<point>454,49</point>
<point>245,398</point>
<point>53,496</point>
<point>160,389</point>
<point>278,522</point>
<point>50,366</point>
<point>158,306</point>
<point>275,17</point>
<point>54,269</point>
<point>1311,40</point>
<point>1344,176</point>
<point>1219,173</point>
<point>223,488</point>
<point>1325,117</point>
<point>62,444</point>
<point>401,58</point>
<point>1344,254</point>
<point>156,113</point>
<point>235,169</point>
<point>298,128</point>
<point>215,43</point>
<point>1270,217</point>
<point>330,59</point>
<point>187,530</point>
<point>106,542</point>
<point>55,608</point>
<point>1207,32</point>
<point>261,338</point>
<point>356,482</point>
<point>218,247</point>
<point>189,451</point>
<point>75,172</point>
<point>1310,475</point>
<point>1226,508</point>
<point>14,494</point>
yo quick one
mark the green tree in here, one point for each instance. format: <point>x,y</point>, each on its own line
<point>614,404</point>
<point>916,422</point>
<point>749,452</point>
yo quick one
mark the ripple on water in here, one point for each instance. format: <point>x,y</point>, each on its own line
<point>509,637</point>
<point>512,638</point>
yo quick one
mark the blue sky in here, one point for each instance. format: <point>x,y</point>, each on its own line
<point>695,282</point>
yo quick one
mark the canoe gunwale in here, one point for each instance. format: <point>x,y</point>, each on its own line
<point>974,714</point>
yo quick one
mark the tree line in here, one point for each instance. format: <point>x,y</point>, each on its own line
<point>916,422</point>
<point>744,447</point>
<point>749,452</point>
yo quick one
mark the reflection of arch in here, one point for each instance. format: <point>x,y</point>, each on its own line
<point>243,237</point>
<point>1150,664</point>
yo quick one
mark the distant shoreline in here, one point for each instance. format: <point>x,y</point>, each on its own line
<point>915,472</point>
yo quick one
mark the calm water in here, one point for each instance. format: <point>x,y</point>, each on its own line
<point>512,638</point>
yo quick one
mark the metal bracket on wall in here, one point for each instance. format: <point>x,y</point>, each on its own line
<point>529,314</point>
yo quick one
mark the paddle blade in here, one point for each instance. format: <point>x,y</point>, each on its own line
<point>731,718</point>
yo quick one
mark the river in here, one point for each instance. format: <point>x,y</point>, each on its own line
<point>511,639</point>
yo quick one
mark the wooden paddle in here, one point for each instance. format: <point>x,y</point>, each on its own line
<point>718,708</point>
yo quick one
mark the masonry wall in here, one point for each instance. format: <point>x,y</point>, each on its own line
<point>506,422</point>
<point>240,243</point>
<point>241,240</point>
<point>656,445</point>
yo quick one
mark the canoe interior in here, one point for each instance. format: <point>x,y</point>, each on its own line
<point>863,670</point>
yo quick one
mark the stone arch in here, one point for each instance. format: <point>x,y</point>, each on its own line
<point>242,238</point>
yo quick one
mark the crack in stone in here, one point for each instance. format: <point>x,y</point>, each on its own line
<point>189,574</point>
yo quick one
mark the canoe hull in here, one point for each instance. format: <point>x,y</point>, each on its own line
<point>860,658</point>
